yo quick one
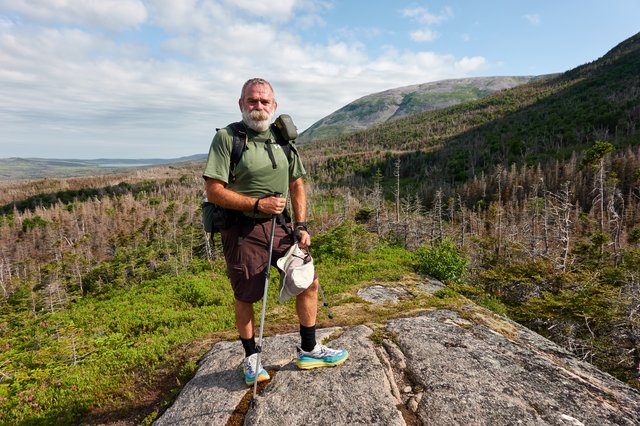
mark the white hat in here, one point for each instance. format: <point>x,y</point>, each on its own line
<point>296,272</point>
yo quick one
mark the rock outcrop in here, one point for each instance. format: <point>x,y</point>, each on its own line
<point>441,367</point>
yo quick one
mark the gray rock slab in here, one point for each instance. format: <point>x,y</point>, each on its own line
<point>382,294</point>
<point>446,368</point>
<point>431,285</point>
<point>355,393</point>
<point>218,386</point>
<point>472,374</point>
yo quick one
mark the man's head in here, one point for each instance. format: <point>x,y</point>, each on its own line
<point>257,104</point>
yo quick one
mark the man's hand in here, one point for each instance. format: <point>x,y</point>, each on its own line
<point>272,205</point>
<point>304,239</point>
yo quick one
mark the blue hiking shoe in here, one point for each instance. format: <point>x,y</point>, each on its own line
<point>250,368</point>
<point>321,356</point>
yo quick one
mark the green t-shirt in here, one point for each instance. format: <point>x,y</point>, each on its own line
<point>254,173</point>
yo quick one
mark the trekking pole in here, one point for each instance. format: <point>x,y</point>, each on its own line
<point>267,275</point>
<point>324,301</point>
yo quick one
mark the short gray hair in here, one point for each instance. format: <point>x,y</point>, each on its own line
<point>253,81</point>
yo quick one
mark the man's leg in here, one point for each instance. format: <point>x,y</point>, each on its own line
<point>313,355</point>
<point>244,323</point>
<point>307,305</point>
<point>244,319</point>
<point>307,308</point>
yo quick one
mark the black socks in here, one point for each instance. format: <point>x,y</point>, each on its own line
<point>308,338</point>
<point>249,346</point>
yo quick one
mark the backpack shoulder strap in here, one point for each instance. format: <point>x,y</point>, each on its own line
<point>239,142</point>
<point>287,146</point>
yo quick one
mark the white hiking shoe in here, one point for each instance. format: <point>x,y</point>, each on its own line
<point>250,368</point>
<point>321,356</point>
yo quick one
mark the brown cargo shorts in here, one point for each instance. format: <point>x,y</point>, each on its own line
<point>246,249</point>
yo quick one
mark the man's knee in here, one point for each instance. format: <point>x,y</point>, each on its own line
<point>313,288</point>
<point>243,308</point>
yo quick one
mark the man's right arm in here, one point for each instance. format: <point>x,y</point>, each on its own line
<point>218,193</point>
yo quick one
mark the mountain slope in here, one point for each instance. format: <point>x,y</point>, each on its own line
<point>544,120</point>
<point>403,101</point>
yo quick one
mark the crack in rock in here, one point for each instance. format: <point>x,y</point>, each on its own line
<point>407,394</point>
<point>240,412</point>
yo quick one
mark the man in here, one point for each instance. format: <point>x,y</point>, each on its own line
<point>263,169</point>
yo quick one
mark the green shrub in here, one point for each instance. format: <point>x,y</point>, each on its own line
<point>445,293</point>
<point>363,215</point>
<point>342,242</point>
<point>444,261</point>
<point>30,223</point>
<point>197,292</point>
<point>493,304</point>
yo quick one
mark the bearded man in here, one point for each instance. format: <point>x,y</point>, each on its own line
<point>263,169</point>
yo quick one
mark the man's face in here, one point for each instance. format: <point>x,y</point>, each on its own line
<point>258,107</point>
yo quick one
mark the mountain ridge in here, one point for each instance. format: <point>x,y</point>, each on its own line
<point>545,120</point>
<point>402,101</point>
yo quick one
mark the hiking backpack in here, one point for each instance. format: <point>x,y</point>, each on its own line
<point>215,217</point>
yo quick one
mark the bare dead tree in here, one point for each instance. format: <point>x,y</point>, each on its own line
<point>397,191</point>
<point>437,215</point>
<point>377,201</point>
<point>498,175</point>
<point>562,208</point>
<point>463,217</point>
<point>545,218</point>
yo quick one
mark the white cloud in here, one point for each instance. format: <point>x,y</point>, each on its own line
<point>95,96</point>
<point>189,16</point>
<point>423,16</point>
<point>276,10</point>
<point>470,64</point>
<point>308,13</point>
<point>534,19</point>
<point>424,35</point>
<point>115,15</point>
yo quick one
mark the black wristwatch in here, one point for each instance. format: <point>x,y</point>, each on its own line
<point>301,225</point>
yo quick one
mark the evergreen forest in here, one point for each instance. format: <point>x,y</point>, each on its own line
<point>526,202</point>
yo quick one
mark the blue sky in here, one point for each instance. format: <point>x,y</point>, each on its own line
<point>154,78</point>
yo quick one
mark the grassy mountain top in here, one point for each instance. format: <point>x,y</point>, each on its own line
<point>404,101</point>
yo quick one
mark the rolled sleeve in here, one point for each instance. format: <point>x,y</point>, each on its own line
<point>296,168</point>
<point>219,158</point>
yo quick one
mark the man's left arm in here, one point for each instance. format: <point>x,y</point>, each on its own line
<point>299,204</point>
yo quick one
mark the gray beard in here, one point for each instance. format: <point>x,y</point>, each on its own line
<point>257,120</point>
